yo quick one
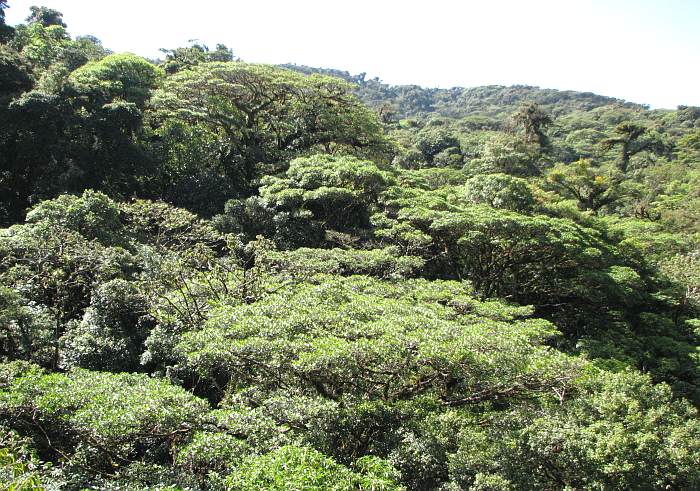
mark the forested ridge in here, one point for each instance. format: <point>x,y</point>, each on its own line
<point>217,274</point>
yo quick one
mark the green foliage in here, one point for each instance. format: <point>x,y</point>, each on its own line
<point>475,315</point>
<point>41,45</point>
<point>166,227</point>
<point>253,216</point>
<point>434,142</point>
<point>534,123</point>
<point>684,269</point>
<point>258,114</point>
<point>507,154</point>
<point>688,147</point>
<point>19,465</point>
<point>339,191</point>
<point>28,329</point>
<point>504,253</point>
<point>632,138</point>
<point>591,186</point>
<point>381,263</point>
<point>45,16</point>
<point>100,420</point>
<point>121,76</point>
<point>622,433</point>
<point>75,269</point>
<point>497,191</point>
<point>405,349</point>
<point>210,452</point>
<point>304,468</point>
<point>15,75</point>
<point>184,58</point>
<point>92,215</point>
<point>111,333</point>
<point>6,32</point>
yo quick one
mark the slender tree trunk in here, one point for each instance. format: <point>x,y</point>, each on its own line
<point>625,157</point>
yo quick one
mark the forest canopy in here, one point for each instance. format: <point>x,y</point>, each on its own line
<point>217,274</point>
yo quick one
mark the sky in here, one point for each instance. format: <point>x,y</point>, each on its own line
<point>645,51</point>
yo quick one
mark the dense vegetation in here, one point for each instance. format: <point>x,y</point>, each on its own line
<point>223,275</point>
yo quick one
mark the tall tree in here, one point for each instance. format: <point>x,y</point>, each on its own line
<point>6,31</point>
<point>45,16</point>
<point>534,122</point>
<point>626,135</point>
<point>257,115</point>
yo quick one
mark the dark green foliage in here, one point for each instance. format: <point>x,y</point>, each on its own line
<point>625,136</point>
<point>15,76</point>
<point>381,263</point>
<point>254,216</point>
<point>534,123</point>
<point>19,464</point>
<point>87,135</point>
<point>6,32</point>
<point>504,253</point>
<point>27,330</point>
<point>45,16</point>
<point>435,142</point>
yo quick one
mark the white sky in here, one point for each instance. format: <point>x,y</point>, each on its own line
<point>645,51</point>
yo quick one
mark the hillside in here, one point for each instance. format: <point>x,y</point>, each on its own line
<point>217,274</point>
<point>492,101</point>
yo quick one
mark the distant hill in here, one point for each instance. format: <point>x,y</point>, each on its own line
<point>492,101</point>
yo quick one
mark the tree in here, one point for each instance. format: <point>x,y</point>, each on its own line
<point>184,58</point>
<point>628,136</point>
<point>42,46</point>
<point>89,132</point>
<point>621,432</point>
<point>45,16</point>
<point>498,191</point>
<point>504,153</point>
<point>506,254</point>
<point>339,191</point>
<point>591,186</point>
<point>124,76</point>
<point>321,338</point>
<point>30,170</point>
<point>688,147</point>
<point>258,115</point>
<point>431,141</point>
<point>27,329</point>
<point>111,333</point>
<point>52,54</point>
<point>6,32</point>
<point>534,123</point>
<point>15,75</point>
<point>53,263</point>
<point>101,420</point>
